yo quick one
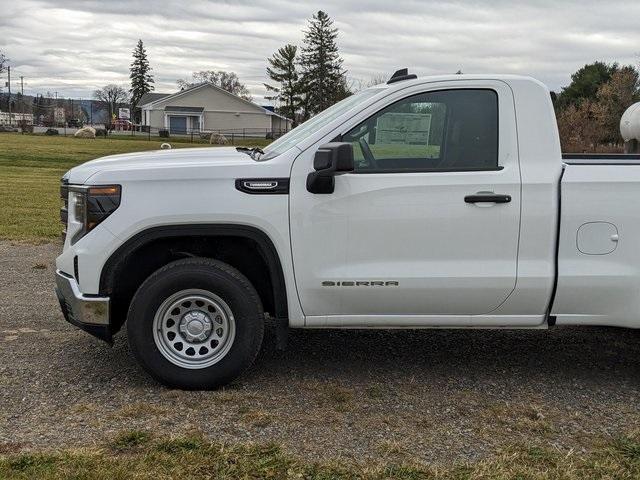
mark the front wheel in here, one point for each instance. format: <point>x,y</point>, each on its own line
<point>195,324</point>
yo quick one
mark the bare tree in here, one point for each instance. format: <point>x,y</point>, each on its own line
<point>228,81</point>
<point>111,95</point>
<point>578,127</point>
<point>614,97</point>
<point>377,79</point>
<point>356,84</point>
<point>592,124</point>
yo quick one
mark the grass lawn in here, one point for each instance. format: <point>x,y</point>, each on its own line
<point>31,167</point>
<point>138,454</point>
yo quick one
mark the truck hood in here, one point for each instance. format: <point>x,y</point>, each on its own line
<point>159,161</point>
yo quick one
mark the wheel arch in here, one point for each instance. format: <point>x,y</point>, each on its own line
<point>260,244</point>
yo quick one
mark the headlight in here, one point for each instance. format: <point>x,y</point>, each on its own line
<point>87,207</point>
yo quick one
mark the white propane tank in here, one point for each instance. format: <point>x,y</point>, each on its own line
<point>630,123</point>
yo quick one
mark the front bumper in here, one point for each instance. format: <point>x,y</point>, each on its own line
<point>90,313</point>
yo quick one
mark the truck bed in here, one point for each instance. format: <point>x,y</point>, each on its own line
<point>598,254</point>
<point>601,158</point>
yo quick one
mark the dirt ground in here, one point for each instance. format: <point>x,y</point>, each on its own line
<point>434,395</point>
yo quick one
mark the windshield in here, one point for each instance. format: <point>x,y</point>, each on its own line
<point>312,125</point>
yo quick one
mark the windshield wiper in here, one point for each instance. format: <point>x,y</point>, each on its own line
<point>251,151</point>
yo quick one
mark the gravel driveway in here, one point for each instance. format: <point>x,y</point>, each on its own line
<point>430,395</point>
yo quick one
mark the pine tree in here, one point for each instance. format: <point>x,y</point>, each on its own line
<point>3,60</point>
<point>322,74</point>
<point>141,78</point>
<point>283,69</point>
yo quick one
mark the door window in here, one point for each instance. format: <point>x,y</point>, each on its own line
<point>448,130</point>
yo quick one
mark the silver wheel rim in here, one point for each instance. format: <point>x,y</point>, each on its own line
<point>194,328</point>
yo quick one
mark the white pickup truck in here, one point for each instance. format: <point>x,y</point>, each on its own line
<point>424,202</point>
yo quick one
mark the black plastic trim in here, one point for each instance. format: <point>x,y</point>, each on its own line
<point>601,156</point>
<point>601,163</point>
<point>400,75</point>
<point>487,198</point>
<point>551,319</point>
<point>601,159</point>
<point>281,186</point>
<point>430,170</point>
<point>267,250</point>
<point>76,269</point>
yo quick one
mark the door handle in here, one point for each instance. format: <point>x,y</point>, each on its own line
<point>487,198</point>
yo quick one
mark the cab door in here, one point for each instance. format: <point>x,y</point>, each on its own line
<point>427,224</point>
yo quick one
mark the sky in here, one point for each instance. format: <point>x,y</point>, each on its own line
<point>75,46</point>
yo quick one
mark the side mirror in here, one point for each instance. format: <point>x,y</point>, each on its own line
<point>331,159</point>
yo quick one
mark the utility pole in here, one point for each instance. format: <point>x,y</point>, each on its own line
<point>22,97</point>
<point>9,85</point>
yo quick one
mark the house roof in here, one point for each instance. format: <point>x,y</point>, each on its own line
<point>197,87</point>
<point>151,97</point>
<point>157,97</point>
<point>271,112</point>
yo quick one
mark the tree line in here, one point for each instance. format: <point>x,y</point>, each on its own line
<point>589,108</point>
<point>306,79</point>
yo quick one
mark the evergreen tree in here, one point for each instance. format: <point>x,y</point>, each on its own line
<point>283,69</point>
<point>141,78</point>
<point>3,66</point>
<point>322,75</point>
<point>585,83</point>
<point>3,61</point>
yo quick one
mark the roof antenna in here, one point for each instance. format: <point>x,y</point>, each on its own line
<point>400,75</point>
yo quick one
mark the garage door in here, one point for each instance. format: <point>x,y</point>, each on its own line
<point>178,125</point>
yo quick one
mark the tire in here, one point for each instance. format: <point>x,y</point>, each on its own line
<point>195,324</point>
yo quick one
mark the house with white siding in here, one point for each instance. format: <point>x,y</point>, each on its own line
<point>208,108</point>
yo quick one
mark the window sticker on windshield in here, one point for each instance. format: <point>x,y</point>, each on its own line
<point>407,128</point>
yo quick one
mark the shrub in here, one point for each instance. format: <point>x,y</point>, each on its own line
<point>25,126</point>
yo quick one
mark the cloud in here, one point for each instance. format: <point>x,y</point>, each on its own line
<point>74,47</point>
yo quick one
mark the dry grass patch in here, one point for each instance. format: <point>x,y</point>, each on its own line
<point>140,455</point>
<point>338,397</point>
<point>81,408</point>
<point>229,396</point>
<point>391,448</point>
<point>11,447</point>
<point>141,409</point>
<point>375,391</point>
<point>519,417</point>
<point>256,418</point>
